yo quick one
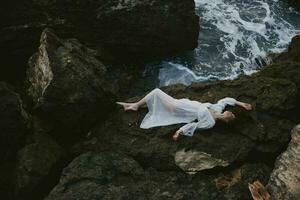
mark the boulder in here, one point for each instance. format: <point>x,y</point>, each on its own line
<point>113,175</point>
<point>13,126</point>
<point>13,123</point>
<point>67,84</point>
<point>292,53</point>
<point>234,185</point>
<point>284,181</point>
<point>120,30</point>
<point>143,28</point>
<point>194,161</point>
<point>105,175</point>
<point>36,164</point>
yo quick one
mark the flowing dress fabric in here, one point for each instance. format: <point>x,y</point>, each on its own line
<point>166,110</point>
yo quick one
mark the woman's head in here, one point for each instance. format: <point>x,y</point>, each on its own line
<point>227,116</point>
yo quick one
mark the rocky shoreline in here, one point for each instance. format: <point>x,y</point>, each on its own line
<point>63,137</point>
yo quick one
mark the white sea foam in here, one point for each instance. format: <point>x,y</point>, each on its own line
<point>233,36</point>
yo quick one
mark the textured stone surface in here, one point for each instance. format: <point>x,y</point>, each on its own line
<point>13,122</point>
<point>255,136</point>
<point>246,144</point>
<point>67,84</point>
<point>147,27</point>
<point>13,129</point>
<point>120,30</point>
<point>194,161</point>
<point>285,179</point>
<point>98,176</point>
<point>35,162</point>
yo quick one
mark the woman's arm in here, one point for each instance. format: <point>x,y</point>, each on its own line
<point>231,101</point>
<point>246,106</point>
<point>187,130</point>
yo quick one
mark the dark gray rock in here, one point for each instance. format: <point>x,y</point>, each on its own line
<point>36,163</point>
<point>255,136</point>
<point>120,30</point>
<point>192,161</point>
<point>99,176</point>
<point>67,84</point>
<point>285,179</point>
<point>147,28</point>
<point>13,129</point>
<point>235,184</point>
<point>13,123</point>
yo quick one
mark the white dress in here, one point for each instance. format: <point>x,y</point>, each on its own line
<point>166,110</point>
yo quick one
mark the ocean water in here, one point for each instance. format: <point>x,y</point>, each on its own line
<point>236,37</point>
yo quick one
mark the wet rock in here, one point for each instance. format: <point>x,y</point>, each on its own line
<point>36,164</point>
<point>285,181</point>
<point>293,52</point>
<point>67,84</point>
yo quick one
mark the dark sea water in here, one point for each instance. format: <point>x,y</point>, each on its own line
<point>236,37</point>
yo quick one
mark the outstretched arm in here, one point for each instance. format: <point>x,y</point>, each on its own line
<point>246,106</point>
<point>231,101</point>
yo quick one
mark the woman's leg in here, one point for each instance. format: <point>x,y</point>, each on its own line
<point>135,106</point>
<point>167,100</point>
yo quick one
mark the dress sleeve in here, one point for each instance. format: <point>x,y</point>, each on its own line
<point>190,128</point>
<point>222,103</point>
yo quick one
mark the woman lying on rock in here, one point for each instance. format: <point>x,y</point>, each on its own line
<point>166,110</point>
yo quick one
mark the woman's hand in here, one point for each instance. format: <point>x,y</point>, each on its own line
<point>247,106</point>
<point>176,135</point>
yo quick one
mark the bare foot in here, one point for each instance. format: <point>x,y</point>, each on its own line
<point>176,135</point>
<point>128,106</point>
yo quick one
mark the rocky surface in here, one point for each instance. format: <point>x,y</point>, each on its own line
<point>285,179</point>
<point>13,123</point>
<point>256,136</point>
<point>266,129</point>
<point>35,163</point>
<point>194,161</point>
<point>67,84</point>
<point>99,176</point>
<point>147,27</point>
<point>71,96</point>
<point>13,129</point>
<point>112,175</point>
<point>234,185</point>
<point>120,30</point>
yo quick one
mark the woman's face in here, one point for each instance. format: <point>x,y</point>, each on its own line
<point>228,116</point>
